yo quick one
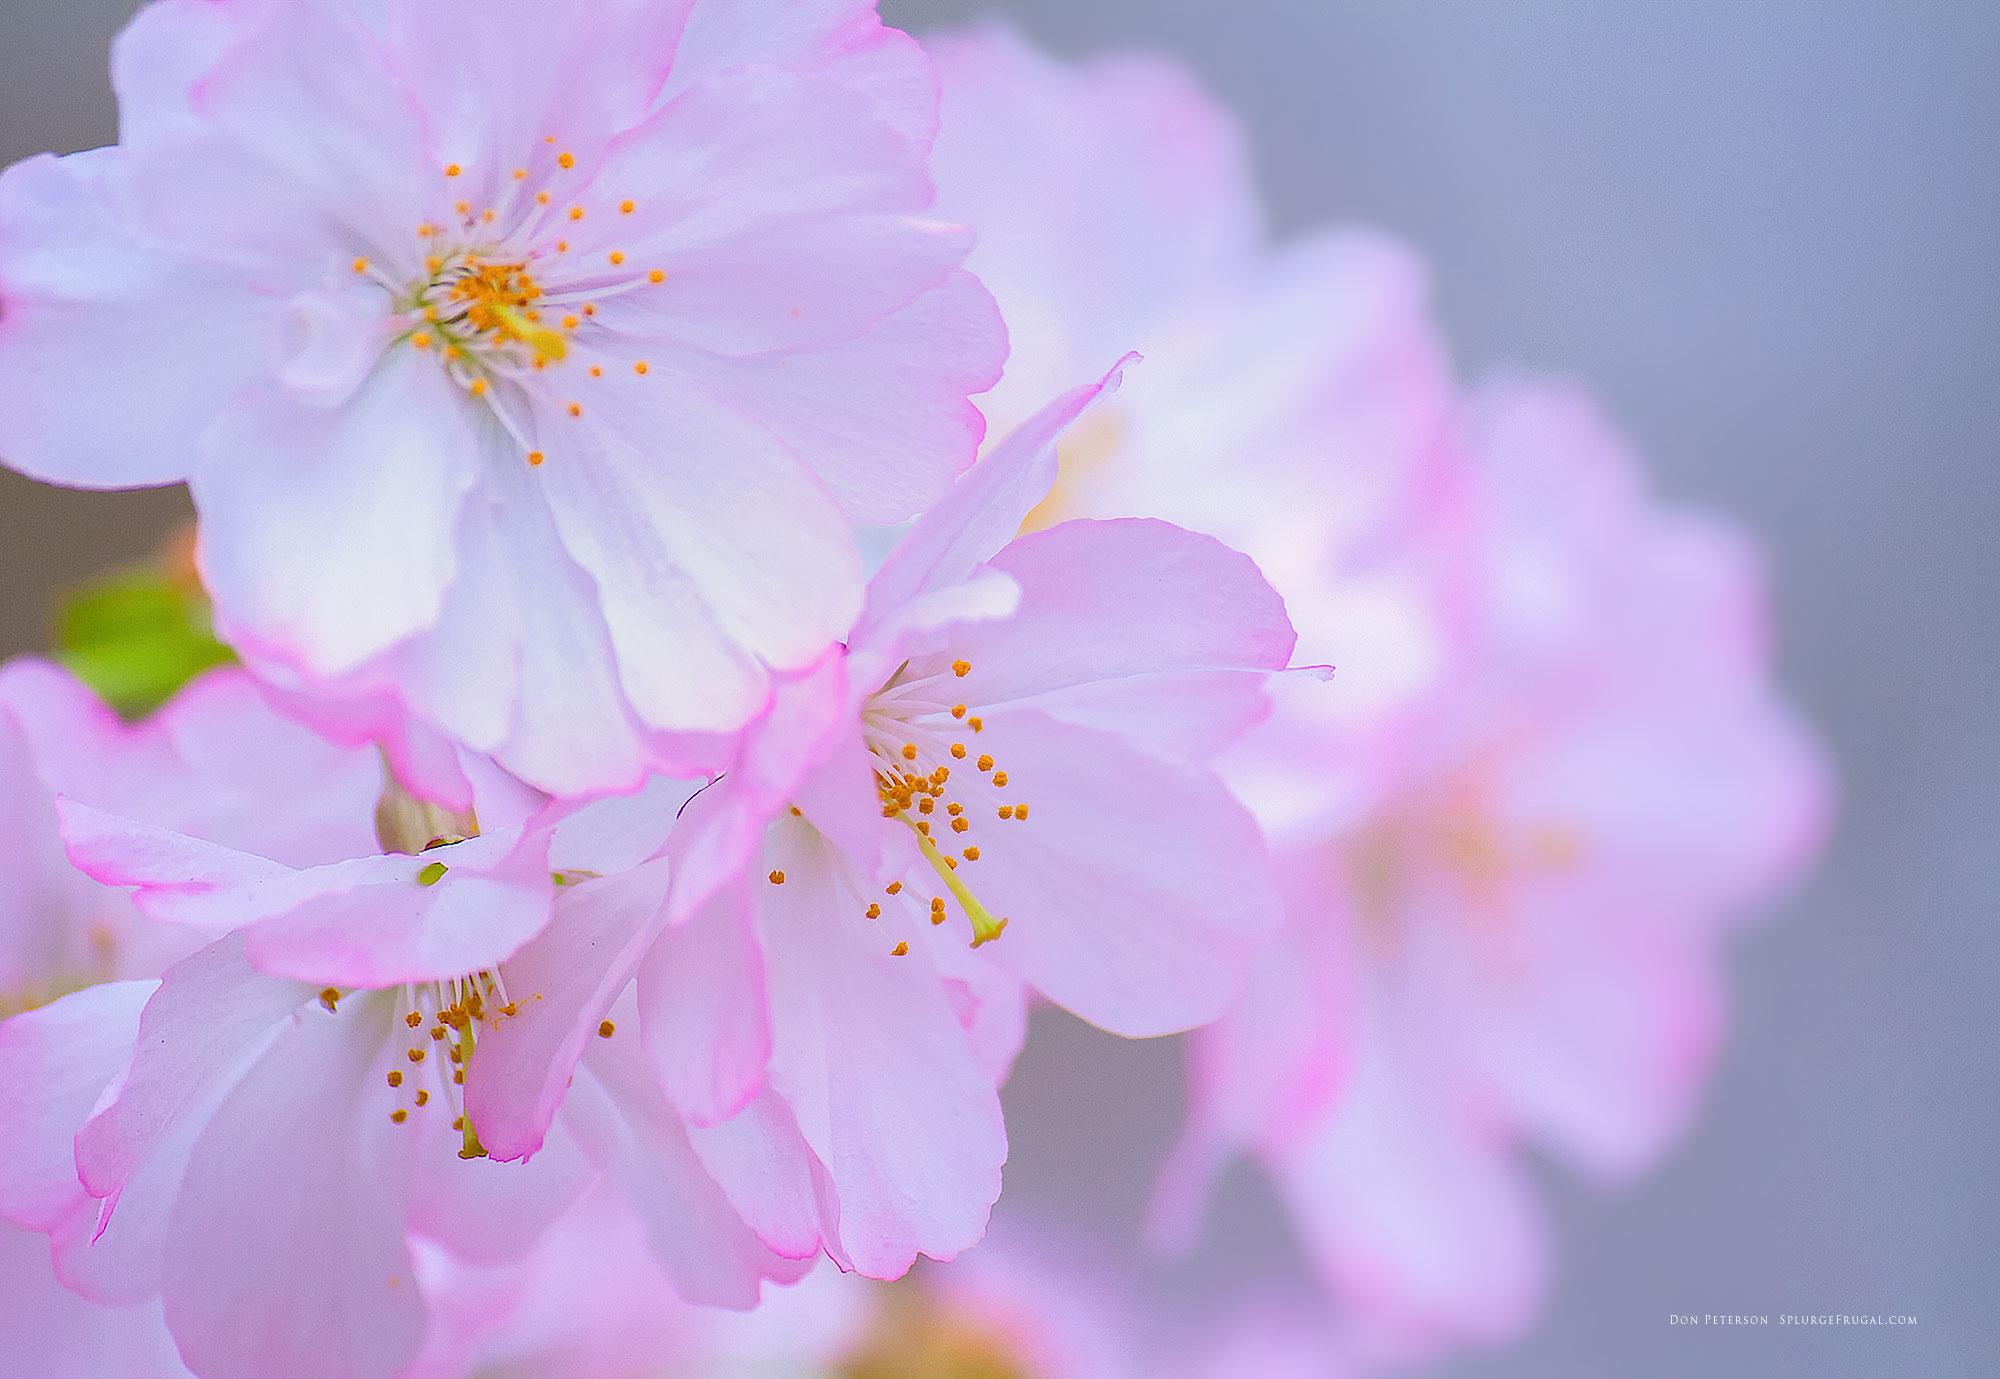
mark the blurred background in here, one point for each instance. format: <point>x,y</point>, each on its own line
<point>1767,236</point>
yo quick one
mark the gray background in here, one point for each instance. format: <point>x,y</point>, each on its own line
<point>1766,234</point>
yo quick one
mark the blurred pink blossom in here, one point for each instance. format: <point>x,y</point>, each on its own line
<point>1552,770</point>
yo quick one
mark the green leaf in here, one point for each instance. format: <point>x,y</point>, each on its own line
<point>136,637</point>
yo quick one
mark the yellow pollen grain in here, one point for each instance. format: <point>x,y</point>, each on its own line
<point>438,1032</point>
<point>413,1019</point>
<point>520,174</point>
<point>361,265</point>
<point>657,276</point>
<point>1006,811</point>
<point>926,805</point>
<point>576,409</point>
<point>597,371</point>
<point>972,853</point>
<point>399,1115</point>
<point>568,160</point>
<point>606,1030</point>
<point>458,1077</point>
<point>985,763</point>
<point>576,213</point>
<point>421,340</point>
<point>617,256</point>
<point>798,813</point>
<point>901,950</point>
<point>893,887</point>
<point>958,710</point>
<point>453,171</point>
<point>777,878</point>
<point>543,198</point>
<point>330,998</point>
<point>909,751</point>
<point>961,668</point>
<point>976,723</point>
<point>562,246</point>
<point>642,368</point>
<point>960,825</point>
<point>954,809</point>
<point>423,1098</point>
<point>488,216</point>
<point>1000,779</point>
<point>1020,811</point>
<point>627,207</point>
<point>958,750</point>
<point>479,387</point>
<point>425,231</point>
<point>571,323</point>
<point>590,308</point>
<point>395,1077</point>
<point>462,207</point>
<point>536,457</point>
<point>416,1055</point>
<point>874,912</point>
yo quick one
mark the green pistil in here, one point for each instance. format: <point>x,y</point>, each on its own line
<point>985,928</point>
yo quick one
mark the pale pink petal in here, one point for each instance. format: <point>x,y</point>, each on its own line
<point>1418,1219</point>
<point>67,1337</point>
<point>286,1252</point>
<point>368,921</point>
<point>1136,890</point>
<point>374,510</point>
<point>769,1174</point>
<point>705,1019</point>
<point>564,982</point>
<point>873,1061</point>
<point>710,577</point>
<point>55,1062</point>
<point>698,1239</point>
<point>883,418</point>
<point>1105,195</point>
<point>982,511</point>
<point>94,395</point>
<point>480,1210</point>
<point>845,37</point>
<point>157,59</point>
<point>351,140</point>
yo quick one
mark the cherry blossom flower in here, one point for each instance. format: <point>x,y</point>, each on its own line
<point>1521,938</point>
<point>545,354</point>
<point>269,1135</point>
<point>997,785</point>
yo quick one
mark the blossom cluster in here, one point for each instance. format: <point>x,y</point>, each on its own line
<point>745,552</point>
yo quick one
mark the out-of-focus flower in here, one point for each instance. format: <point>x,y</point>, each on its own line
<point>1533,913</point>
<point>65,1336</point>
<point>1012,741</point>
<point>544,353</point>
<point>1552,767</point>
<point>263,1136</point>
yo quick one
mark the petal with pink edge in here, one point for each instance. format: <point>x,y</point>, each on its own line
<point>1136,891</point>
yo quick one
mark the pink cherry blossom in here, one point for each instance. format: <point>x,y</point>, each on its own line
<point>67,1336</point>
<point>259,1109</point>
<point>545,353</point>
<point>271,1135</point>
<point>1521,937</point>
<point>997,786</point>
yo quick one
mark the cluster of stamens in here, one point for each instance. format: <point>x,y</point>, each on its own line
<point>502,299</point>
<point>441,1021</point>
<point>938,783</point>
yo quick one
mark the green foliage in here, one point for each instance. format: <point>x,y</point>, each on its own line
<point>136,637</point>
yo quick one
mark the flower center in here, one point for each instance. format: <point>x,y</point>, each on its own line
<point>512,289</point>
<point>930,775</point>
<point>441,1021</point>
